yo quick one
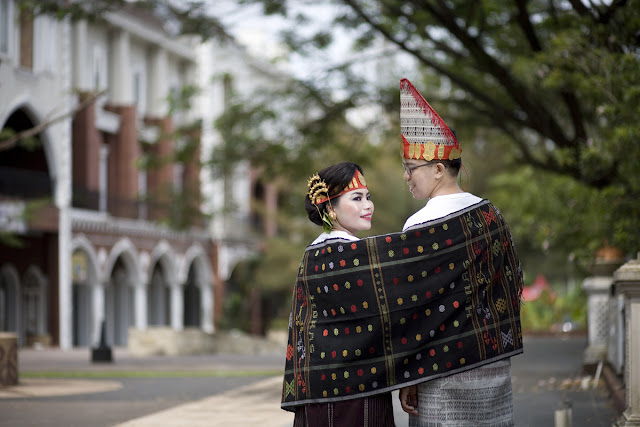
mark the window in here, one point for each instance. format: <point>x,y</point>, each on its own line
<point>140,91</point>
<point>45,33</point>
<point>5,28</point>
<point>103,177</point>
<point>178,172</point>
<point>142,194</point>
<point>26,40</point>
<point>99,69</point>
<point>137,88</point>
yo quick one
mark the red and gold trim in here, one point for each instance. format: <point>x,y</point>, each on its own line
<point>357,183</point>
<point>429,151</point>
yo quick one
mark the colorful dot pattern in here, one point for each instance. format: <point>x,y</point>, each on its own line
<point>370,315</point>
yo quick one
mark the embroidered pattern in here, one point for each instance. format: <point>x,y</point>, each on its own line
<point>401,314</point>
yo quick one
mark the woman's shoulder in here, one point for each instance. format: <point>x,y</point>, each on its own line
<point>334,235</point>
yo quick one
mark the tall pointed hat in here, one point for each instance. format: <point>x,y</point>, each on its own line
<point>425,135</point>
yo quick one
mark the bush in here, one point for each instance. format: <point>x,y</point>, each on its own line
<point>549,312</point>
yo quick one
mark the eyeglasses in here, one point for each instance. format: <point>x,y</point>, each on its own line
<point>409,170</point>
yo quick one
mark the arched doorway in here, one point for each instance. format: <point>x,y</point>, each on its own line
<point>9,299</point>
<point>24,170</point>
<point>119,304</point>
<point>83,326</point>
<point>27,178</point>
<point>34,306</point>
<point>158,298</point>
<point>192,300</point>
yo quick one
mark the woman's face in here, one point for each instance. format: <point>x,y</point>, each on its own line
<point>354,211</point>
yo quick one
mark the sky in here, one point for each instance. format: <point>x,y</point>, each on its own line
<point>260,35</point>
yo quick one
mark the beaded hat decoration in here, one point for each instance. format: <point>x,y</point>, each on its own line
<point>319,192</point>
<point>425,135</point>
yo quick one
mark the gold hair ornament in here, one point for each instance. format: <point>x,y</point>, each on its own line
<point>319,193</point>
<point>318,190</point>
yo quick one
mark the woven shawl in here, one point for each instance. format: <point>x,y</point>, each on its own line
<point>373,315</point>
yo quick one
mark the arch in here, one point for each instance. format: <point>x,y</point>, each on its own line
<point>23,104</point>
<point>34,304</point>
<point>81,243</point>
<point>195,255</point>
<point>196,275</point>
<point>87,295</point>
<point>164,254</point>
<point>162,285</point>
<point>10,299</point>
<point>124,282</point>
<point>126,251</point>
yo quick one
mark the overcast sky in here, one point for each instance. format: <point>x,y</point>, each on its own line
<point>260,34</point>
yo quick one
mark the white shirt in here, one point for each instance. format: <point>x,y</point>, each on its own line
<point>335,234</point>
<point>440,206</point>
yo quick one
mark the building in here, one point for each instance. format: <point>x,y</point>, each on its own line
<point>103,202</point>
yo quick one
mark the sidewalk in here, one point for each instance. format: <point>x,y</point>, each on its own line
<point>256,404</point>
<point>544,377</point>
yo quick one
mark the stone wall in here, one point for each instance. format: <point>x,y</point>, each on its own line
<point>8,359</point>
<point>166,341</point>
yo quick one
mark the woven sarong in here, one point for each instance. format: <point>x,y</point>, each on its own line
<point>377,314</point>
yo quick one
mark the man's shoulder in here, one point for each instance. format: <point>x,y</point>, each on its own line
<point>443,206</point>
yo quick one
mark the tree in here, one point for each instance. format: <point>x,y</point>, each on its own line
<point>558,81</point>
<point>555,84</point>
<point>189,17</point>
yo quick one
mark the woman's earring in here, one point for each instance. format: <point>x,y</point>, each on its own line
<point>333,215</point>
<point>327,223</point>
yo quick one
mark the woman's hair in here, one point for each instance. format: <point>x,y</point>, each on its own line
<point>337,177</point>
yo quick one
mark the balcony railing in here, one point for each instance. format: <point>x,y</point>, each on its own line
<point>151,209</point>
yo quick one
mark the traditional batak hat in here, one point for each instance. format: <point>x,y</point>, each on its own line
<point>425,135</point>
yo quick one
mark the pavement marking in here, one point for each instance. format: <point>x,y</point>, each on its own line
<point>255,404</point>
<point>45,387</point>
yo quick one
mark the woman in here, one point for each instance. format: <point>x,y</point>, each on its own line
<point>339,201</point>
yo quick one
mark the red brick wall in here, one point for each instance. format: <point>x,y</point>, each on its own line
<point>86,148</point>
<point>191,177</point>
<point>123,157</point>
<point>160,175</point>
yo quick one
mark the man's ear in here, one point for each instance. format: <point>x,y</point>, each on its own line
<point>440,168</point>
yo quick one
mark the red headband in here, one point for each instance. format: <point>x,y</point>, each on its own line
<point>319,193</point>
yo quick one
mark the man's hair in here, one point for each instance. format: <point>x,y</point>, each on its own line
<point>453,166</point>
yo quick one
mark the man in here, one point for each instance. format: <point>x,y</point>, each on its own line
<point>431,161</point>
<point>433,310</point>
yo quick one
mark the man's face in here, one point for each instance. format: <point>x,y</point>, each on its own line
<point>419,177</point>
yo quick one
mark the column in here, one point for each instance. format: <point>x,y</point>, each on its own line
<point>81,66</point>
<point>207,308</point>
<point>121,92</point>
<point>627,280</point>
<point>597,289</point>
<point>159,84</point>
<point>97,308</point>
<point>61,136</point>
<point>177,307</point>
<point>140,307</point>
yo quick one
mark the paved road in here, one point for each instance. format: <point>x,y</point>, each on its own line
<point>244,390</point>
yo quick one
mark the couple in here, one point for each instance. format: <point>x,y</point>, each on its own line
<point>432,311</point>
